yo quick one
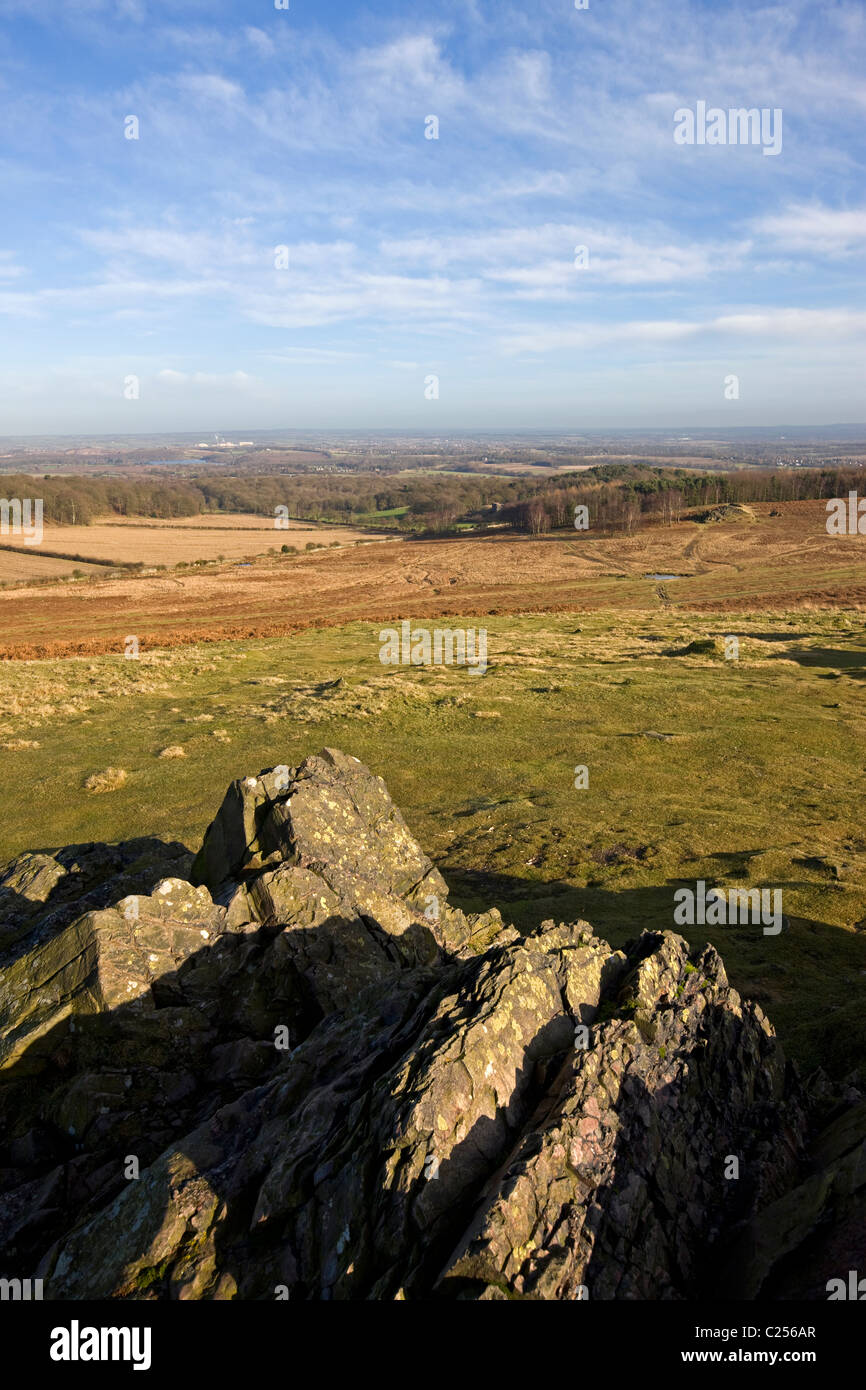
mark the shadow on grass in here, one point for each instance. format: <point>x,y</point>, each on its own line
<point>852,661</point>
<point>810,978</point>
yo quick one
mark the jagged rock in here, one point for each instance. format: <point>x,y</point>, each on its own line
<point>32,877</point>
<point>335,1085</point>
<point>103,961</point>
<point>51,889</point>
<point>331,816</point>
<point>824,1217</point>
<point>619,1186</point>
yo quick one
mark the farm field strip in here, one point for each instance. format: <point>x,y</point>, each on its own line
<point>16,566</point>
<point>154,543</point>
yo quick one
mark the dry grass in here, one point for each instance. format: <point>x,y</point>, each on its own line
<point>107,781</point>
<point>777,562</point>
<point>16,567</point>
<point>173,751</point>
<point>208,521</point>
<point>129,540</point>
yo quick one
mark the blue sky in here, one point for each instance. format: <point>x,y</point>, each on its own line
<point>411,257</point>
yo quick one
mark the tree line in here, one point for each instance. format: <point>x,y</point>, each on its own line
<point>616,496</point>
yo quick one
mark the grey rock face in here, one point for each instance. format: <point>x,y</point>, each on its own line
<point>305,1075</point>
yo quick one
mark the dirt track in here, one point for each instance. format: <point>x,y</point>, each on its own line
<point>777,562</point>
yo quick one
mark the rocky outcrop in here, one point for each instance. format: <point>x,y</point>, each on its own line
<point>50,890</point>
<point>291,1069</point>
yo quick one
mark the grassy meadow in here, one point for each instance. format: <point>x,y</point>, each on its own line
<point>746,772</point>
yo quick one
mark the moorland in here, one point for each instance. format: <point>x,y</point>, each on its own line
<point>606,649</point>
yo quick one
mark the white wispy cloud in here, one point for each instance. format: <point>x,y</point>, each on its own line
<point>276,128</point>
<point>807,325</point>
<point>815,229</point>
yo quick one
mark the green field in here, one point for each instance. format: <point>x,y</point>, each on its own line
<point>745,772</point>
<point>371,518</point>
